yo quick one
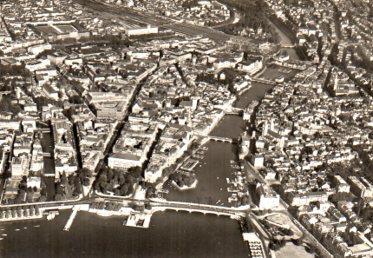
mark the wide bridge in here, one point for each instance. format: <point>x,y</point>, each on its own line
<point>156,205</point>
<point>199,208</point>
<point>264,81</point>
<point>220,139</point>
<point>299,67</point>
<point>234,111</point>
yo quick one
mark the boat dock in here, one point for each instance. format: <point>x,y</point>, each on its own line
<point>71,218</point>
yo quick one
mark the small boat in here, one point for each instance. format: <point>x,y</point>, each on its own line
<point>17,229</point>
<point>37,226</point>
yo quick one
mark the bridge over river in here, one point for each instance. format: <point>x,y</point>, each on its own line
<point>200,208</point>
<point>156,205</point>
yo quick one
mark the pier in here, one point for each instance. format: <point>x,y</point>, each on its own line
<point>71,218</point>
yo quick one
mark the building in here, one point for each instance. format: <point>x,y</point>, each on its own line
<point>361,187</point>
<point>251,65</point>
<point>138,31</point>
<point>20,165</point>
<point>302,199</point>
<point>258,161</point>
<point>255,244</point>
<point>341,184</point>
<point>268,199</point>
<point>124,161</point>
<point>34,182</point>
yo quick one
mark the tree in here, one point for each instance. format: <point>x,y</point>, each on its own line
<point>116,191</point>
<point>245,200</point>
<point>124,189</point>
<point>135,171</point>
<point>59,189</point>
<point>150,192</point>
<point>43,192</point>
<point>109,187</point>
<point>42,198</point>
<point>121,179</point>
<point>103,186</point>
<point>71,179</point>
<point>110,175</point>
<point>30,196</point>
<point>23,183</point>
<point>59,197</point>
<point>97,186</point>
<point>84,172</point>
<point>102,178</point>
<point>85,181</point>
<point>63,179</point>
<point>78,188</point>
<point>113,182</point>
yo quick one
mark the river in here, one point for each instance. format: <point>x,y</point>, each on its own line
<point>284,40</point>
<point>170,234</point>
<point>211,174</point>
<point>216,166</point>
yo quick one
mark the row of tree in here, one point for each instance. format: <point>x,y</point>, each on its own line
<point>68,187</point>
<point>185,179</point>
<point>116,181</point>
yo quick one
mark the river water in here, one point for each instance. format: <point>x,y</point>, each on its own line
<point>170,234</point>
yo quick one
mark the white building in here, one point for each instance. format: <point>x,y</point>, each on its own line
<point>142,31</point>
<point>19,166</point>
<point>268,199</point>
<point>258,161</point>
<point>124,160</point>
<point>34,181</point>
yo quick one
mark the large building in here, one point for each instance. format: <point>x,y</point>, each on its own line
<point>124,160</point>
<point>144,30</point>
<point>361,187</point>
